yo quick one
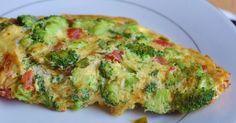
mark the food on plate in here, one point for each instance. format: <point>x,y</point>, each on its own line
<point>71,62</point>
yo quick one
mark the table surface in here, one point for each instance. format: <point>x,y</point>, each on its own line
<point>229,5</point>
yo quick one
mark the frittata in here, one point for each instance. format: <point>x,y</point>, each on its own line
<point>71,62</point>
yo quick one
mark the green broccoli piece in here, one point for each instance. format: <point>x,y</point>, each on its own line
<point>56,79</point>
<point>204,80</point>
<point>25,42</point>
<point>75,45</point>
<point>105,69</point>
<point>26,20</point>
<point>171,53</point>
<point>130,82</point>
<point>48,99</point>
<point>38,33</point>
<point>40,82</point>
<point>110,94</point>
<point>49,29</point>
<point>102,44</point>
<point>3,25</point>
<point>96,27</point>
<point>62,59</point>
<point>22,94</point>
<point>78,77</point>
<point>80,98</point>
<point>154,73</point>
<point>101,27</point>
<point>143,50</point>
<point>83,94</point>
<point>151,87</point>
<point>83,63</point>
<point>129,31</point>
<point>192,100</point>
<point>180,64</point>
<point>174,78</point>
<point>159,102</point>
<point>132,27</point>
<point>84,24</point>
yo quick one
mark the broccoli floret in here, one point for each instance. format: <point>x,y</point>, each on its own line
<point>109,45</point>
<point>38,34</point>
<point>56,79</point>
<point>79,77</point>
<point>40,82</point>
<point>130,82</point>
<point>85,24</point>
<point>3,25</point>
<point>132,27</point>
<point>154,73</point>
<point>102,44</point>
<point>180,64</point>
<point>26,20</point>
<point>82,94</point>
<point>193,100</point>
<point>83,63</point>
<point>105,69</point>
<point>143,50</point>
<point>129,31</point>
<point>96,27</point>
<point>80,98</point>
<point>22,94</point>
<point>75,45</point>
<point>49,29</point>
<point>110,94</point>
<point>204,80</point>
<point>25,42</point>
<point>101,27</point>
<point>159,102</point>
<point>62,59</point>
<point>174,78</point>
<point>171,53</point>
<point>151,87</point>
<point>44,93</point>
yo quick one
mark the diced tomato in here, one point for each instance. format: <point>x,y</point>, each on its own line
<point>172,69</point>
<point>163,43</point>
<point>59,46</point>
<point>6,92</point>
<point>74,33</point>
<point>161,60</point>
<point>68,71</point>
<point>115,56</point>
<point>204,67</point>
<point>27,80</point>
<point>7,64</point>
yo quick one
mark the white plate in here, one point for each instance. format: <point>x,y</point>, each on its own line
<point>192,23</point>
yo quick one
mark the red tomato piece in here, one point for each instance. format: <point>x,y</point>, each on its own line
<point>5,92</point>
<point>161,60</point>
<point>27,80</point>
<point>7,64</point>
<point>163,43</point>
<point>172,69</point>
<point>115,56</point>
<point>68,71</point>
<point>74,33</point>
<point>204,67</point>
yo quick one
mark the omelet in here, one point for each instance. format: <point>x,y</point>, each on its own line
<point>73,61</point>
